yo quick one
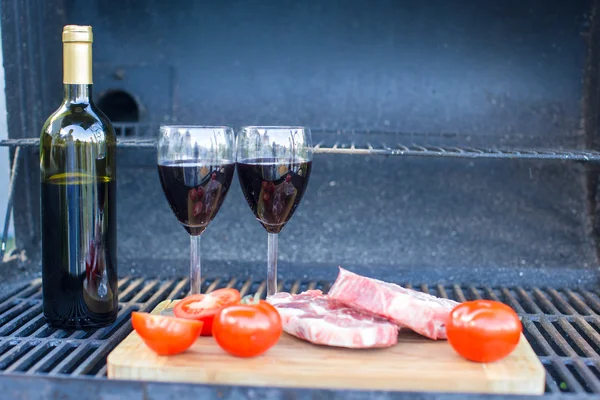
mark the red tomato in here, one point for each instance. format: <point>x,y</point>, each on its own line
<point>247,330</point>
<point>203,307</point>
<point>165,335</point>
<point>483,330</point>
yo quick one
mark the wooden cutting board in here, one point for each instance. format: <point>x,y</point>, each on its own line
<point>414,364</point>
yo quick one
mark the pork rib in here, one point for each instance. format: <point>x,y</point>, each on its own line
<point>421,312</point>
<point>314,317</point>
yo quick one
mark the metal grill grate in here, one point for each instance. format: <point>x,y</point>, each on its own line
<point>563,327</point>
<point>402,146</point>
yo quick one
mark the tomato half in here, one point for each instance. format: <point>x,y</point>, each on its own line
<point>247,330</point>
<point>166,335</point>
<point>203,307</point>
<point>483,330</point>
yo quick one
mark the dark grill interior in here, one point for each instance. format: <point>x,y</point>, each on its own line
<point>563,327</point>
<point>456,144</point>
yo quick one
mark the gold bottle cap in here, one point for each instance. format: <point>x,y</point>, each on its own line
<point>77,33</point>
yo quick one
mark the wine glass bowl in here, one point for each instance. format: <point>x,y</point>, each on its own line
<point>195,167</point>
<point>274,165</point>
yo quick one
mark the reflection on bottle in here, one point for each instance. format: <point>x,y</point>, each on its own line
<point>97,293</point>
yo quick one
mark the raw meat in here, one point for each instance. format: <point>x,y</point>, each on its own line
<point>314,317</point>
<point>421,312</point>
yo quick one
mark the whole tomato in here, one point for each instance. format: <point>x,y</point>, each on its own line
<point>483,330</point>
<point>248,329</point>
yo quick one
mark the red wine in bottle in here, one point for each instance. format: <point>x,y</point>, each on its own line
<point>78,199</point>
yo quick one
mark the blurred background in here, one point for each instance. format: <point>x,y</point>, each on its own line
<point>493,75</point>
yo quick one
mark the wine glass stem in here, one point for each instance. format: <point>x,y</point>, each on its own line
<point>272,264</point>
<point>195,265</point>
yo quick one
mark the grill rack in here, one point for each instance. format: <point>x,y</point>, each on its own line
<point>142,136</point>
<point>563,327</point>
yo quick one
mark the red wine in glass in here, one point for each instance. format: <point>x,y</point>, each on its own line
<point>195,168</point>
<point>195,190</point>
<point>273,189</point>
<point>273,164</point>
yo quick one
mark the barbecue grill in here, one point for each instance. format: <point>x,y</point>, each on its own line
<point>456,152</point>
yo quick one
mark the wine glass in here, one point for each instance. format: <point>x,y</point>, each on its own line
<point>195,166</point>
<point>273,165</point>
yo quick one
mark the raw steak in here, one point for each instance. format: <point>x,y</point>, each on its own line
<point>314,317</point>
<point>421,312</point>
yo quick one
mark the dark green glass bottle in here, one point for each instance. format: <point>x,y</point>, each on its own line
<point>78,204</point>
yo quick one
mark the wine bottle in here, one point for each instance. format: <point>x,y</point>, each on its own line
<point>78,199</point>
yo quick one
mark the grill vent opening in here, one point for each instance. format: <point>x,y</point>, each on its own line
<point>120,107</point>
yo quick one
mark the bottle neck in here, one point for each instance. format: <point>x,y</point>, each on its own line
<point>77,72</point>
<point>78,94</point>
<point>77,63</point>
